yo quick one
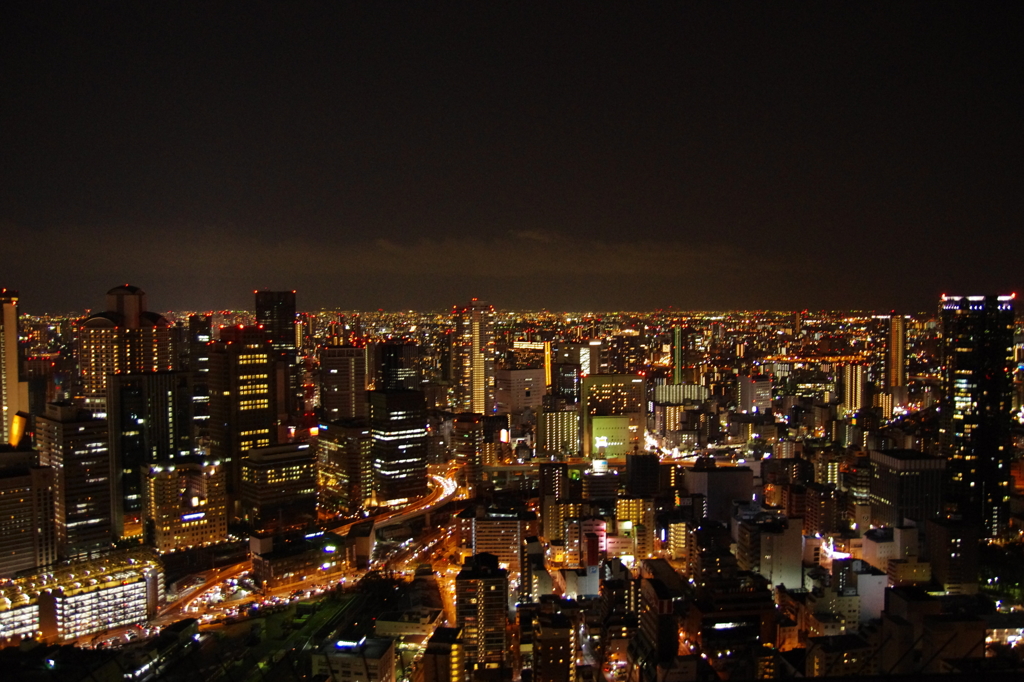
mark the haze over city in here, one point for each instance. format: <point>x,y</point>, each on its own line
<point>706,156</point>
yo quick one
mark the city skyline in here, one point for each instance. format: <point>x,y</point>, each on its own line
<point>701,157</point>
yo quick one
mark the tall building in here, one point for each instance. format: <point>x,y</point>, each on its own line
<point>13,391</point>
<point>398,430</point>
<point>275,313</point>
<point>853,388</point>
<point>123,339</point>
<point>242,396</point>
<point>279,485</point>
<point>896,354</point>
<point>753,394</point>
<point>481,611</point>
<point>905,484</point>
<point>613,414</point>
<point>343,383</point>
<point>28,531</point>
<point>75,445</point>
<point>344,466</point>
<point>976,403</point>
<point>186,504</point>
<point>475,357</point>
<point>467,447</point>
<point>150,418</point>
<point>396,366</point>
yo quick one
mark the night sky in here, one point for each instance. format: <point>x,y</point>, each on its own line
<point>584,156</point>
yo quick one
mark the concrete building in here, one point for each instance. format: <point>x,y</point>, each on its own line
<point>613,414</point>
<point>905,484</point>
<point>279,485</point>
<point>186,504</point>
<point>28,529</point>
<point>343,382</point>
<point>13,391</point>
<point>398,432</point>
<point>481,611</point>
<point>75,445</point>
<point>365,660</point>
<point>344,466</point>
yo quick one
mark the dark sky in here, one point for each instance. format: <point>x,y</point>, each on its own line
<point>412,155</point>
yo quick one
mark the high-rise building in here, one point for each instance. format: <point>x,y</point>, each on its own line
<point>28,531</point>
<point>396,366</point>
<point>124,339</point>
<point>481,611</point>
<point>200,334</point>
<point>242,396</point>
<point>613,414</point>
<point>976,403</point>
<point>186,504</point>
<point>518,390</point>
<point>753,394</point>
<point>905,484</point>
<point>896,354</point>
<point>75,445</point>
<point>398,430</point>
<point>853,388</point>
<point>467,447</point>
<point>474,331</point>
<point>554,645</point>
<point>275,313</point>
<point>150,418</point>
<point>642,474</point>
<point>343,383</point>
<point>279,485</point>
<point>13,391</point>
<point>344,466</point>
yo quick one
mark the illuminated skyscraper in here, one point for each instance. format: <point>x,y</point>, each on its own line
<point>13,391</point>
<point>343,383</point>
<point>75,445</point>
<point>28,532</point>
<point>243,414</point>
<point>975,409</point>
<point>275,312</point>
<point>896,366</point>
<point>124,339</point>
<point>186,505</point>
<point>481,608</point>
<point>398,429</point>
<point>150,417</point>
<point>475,346</point>
<point>853,389</point>
<point>613,414</point>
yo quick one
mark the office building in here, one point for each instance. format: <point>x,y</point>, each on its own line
<point>75,446</point>
<point>905,484</point>
<point>467,448</point>
<point>343,383</point>
<point>554,648</point>
<point>396,366</point>
<point>497,531</point>
<point>753,394</point>
<point>186,504</point>
<point>13,391</point>
<point>243,414</point>
<point>473,357</point>
<point>344,466</point>
<point>28,529</point>
<point>642,474</point>
<point>151,420</point>
<point>613,414</point>
<point>279,485</point>
<point>398,431</point>
<point>481,611</point>
<point>275,313</point>
<point>124,339</point>
<point>976,404</point>
<point>519,390</point>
